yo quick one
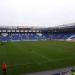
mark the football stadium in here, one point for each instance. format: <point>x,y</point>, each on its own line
<point>29,50</point>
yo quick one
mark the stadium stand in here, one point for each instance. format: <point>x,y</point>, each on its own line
<point>26,34</point>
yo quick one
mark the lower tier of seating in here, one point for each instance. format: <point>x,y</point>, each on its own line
<point>36,36</point>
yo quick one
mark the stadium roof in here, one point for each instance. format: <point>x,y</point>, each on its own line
<point>70,25</point>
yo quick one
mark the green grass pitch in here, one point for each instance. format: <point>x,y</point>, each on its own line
<point>33,56</point>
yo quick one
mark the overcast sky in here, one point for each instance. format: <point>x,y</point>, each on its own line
<point>37,12</point>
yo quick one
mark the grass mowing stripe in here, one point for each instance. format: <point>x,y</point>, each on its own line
<point>42,56</point>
